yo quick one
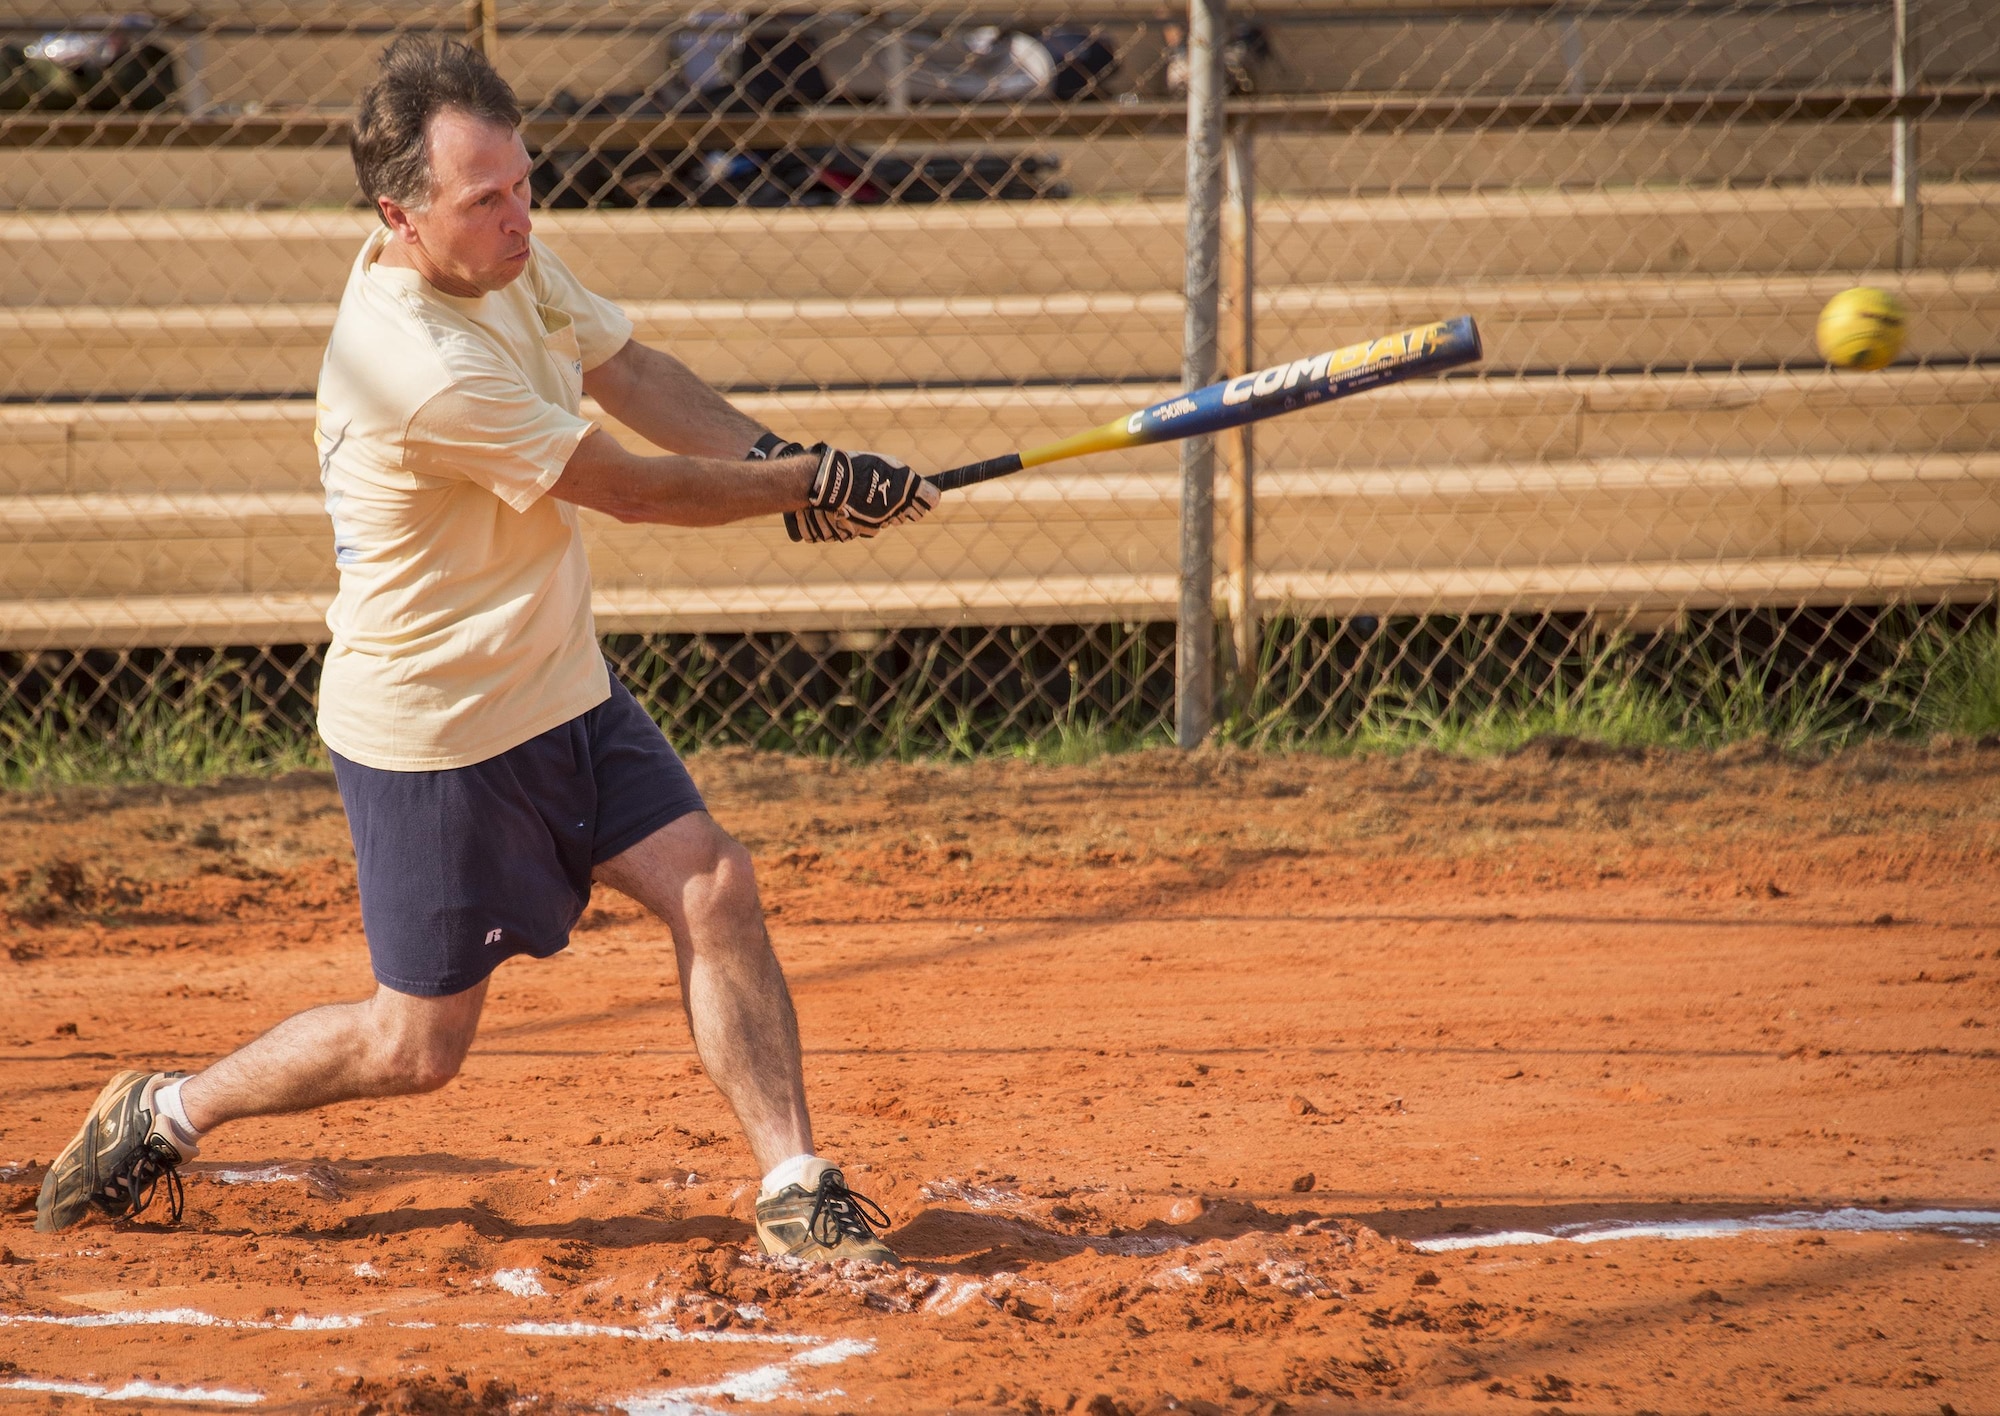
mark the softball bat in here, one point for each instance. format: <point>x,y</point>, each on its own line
<point>1249,398</point>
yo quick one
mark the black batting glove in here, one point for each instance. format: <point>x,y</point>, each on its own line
<point>818,526</point>
<point>770,447</point>
<point>864,492</point>
<point>814,526</point>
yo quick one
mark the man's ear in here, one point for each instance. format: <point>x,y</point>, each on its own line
<point>397,220</point>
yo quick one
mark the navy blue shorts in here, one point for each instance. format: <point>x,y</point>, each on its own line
<point>466,867</point>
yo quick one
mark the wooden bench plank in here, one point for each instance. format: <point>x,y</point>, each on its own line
<point>1631,322</point>
<point>995,249</point>
<point>266,445</point>
<point>1012,551</point>
<point>132,621</point>
<point>1780,155</point>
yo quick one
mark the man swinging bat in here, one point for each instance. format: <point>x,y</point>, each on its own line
<point>491,768</point>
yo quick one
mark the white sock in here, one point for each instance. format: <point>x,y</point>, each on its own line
<point>802,1170</point>
<point>167,1108</point>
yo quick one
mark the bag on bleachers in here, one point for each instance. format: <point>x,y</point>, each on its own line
<point>18,85</point>
<point>784,61</point>
<point>982,65</point>
<point>1085,63</point>
<point>118,67</point>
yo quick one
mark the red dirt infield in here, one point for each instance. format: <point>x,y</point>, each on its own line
<point>1215,1083</point>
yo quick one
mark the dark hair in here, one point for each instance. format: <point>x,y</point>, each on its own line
<point>421,76</point>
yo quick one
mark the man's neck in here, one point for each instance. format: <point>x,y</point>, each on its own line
<point>400,254</point>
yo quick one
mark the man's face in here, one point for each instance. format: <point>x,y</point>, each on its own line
<point>473,236</point>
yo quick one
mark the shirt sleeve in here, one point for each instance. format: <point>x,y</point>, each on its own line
<point>494,431</point>
<point>602,329</point>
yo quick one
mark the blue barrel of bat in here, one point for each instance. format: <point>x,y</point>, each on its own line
<point>1284,388</point>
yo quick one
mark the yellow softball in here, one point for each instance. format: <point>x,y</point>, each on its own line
<point>1861,328</point>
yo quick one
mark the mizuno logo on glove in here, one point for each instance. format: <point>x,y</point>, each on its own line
<point>834,512</point>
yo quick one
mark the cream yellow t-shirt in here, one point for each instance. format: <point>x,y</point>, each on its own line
<point>462,625</point>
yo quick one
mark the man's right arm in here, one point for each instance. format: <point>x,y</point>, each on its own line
<point>845,494</point>
<point>680,491</point>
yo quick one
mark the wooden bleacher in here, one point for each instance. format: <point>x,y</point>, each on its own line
<point>1651,430</point>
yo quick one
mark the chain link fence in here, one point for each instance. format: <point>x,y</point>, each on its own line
<point>951,231</point>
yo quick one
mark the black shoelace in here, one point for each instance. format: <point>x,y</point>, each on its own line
<point>839,1213</point>
<point>131,1187</point>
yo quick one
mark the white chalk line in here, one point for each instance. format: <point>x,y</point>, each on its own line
<point>261,1175</point>
<point>181,1317</point>
<point>1839,1221</point>
<point>759,1384</point>
<point>307,1322</point>
<point>770,1382</point>
<point>649,1332</point>
<point>135,1391</point>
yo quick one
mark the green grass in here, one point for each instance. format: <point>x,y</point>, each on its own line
<point>1943,683</point>
<point>1957,685</point>
<point>209,725</point>
<point>201,733</point>
<point>1610,708</point>
<point>1070,742</point>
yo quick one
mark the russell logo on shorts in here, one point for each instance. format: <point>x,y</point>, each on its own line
<point>492,936</point>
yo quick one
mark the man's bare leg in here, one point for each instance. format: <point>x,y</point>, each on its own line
<point>138,1132</point>
<point>699,881</point>
<point>393,1044</point>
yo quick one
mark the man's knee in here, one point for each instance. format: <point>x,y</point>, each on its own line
<point>722,883</point>
<point>695,876</point>
<point>426,1067</point>
<point>406,1065</point>
<point>419,1045</point>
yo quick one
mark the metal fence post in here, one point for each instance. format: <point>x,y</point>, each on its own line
<point>1237,352</point>
<point>1194,661</point>
<point>1904,63</point>
<point>482,26</point>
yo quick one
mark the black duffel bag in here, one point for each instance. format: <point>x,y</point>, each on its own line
<point>121,67</point>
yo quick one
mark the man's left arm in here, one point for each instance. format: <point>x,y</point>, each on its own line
<point>659,398</point>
